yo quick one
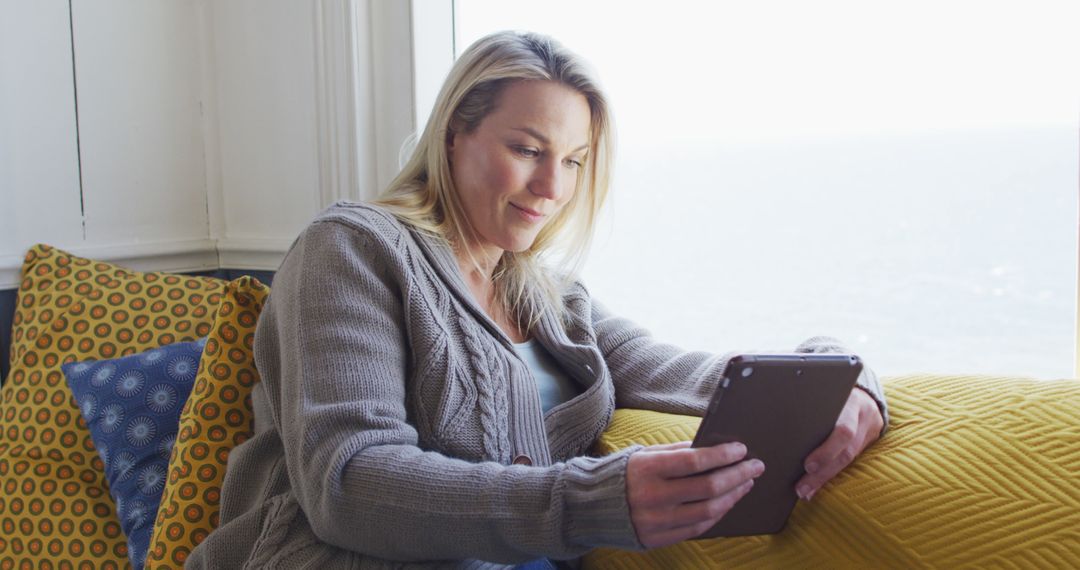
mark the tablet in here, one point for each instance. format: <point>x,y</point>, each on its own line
<point>782,407</point>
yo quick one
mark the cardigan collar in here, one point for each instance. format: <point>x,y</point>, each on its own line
<point>549,331</point>
<point>572,426</point>
<point>438,252</point>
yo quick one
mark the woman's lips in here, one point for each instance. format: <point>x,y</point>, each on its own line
<point>528,214</point>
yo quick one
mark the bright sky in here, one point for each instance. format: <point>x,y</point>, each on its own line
<point>746,71</point>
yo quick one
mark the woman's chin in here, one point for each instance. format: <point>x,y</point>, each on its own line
<point>518,244</point>
<point>519,248</point>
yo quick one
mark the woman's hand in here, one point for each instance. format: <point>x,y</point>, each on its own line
<point>858,426</point>
<point>677,492</point>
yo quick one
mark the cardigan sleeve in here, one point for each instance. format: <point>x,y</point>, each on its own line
<point>655,376</point>
<point>333,343</point>
<point>652,375</point>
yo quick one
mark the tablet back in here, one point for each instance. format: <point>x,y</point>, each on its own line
<point>781,407</point>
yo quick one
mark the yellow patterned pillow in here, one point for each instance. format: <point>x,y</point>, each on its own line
<point>55,510</point>
<point>974,472</point>
<point>217,417</point>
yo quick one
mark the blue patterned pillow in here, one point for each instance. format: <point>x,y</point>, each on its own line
<point>132,406</point>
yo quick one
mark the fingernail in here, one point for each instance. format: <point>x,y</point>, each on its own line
<point>804,492</point>
<point>757,467</point>
<point>740,449</point>
<point>811,467</point>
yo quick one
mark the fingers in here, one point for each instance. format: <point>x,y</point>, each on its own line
<point>855,430</point>
<point>677,492</point>
<point>692,519</point>
<point>682,474</point>
<point>839,440</point>
<point>711,484</point>
<point>682,462</point>
<point>811,483</point>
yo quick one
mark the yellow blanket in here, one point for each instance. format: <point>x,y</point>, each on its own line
<point>974,472</point>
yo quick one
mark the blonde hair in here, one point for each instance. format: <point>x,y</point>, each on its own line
<point>423,194</point>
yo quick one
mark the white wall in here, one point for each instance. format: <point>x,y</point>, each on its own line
<point>208,133</point>
<point>314,99</point>
<point>265,88</point>
<point>138,78</point>
<point>39,171</point>
<point>132,71</point>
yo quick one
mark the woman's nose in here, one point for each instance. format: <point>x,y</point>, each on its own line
<point>548,181</point>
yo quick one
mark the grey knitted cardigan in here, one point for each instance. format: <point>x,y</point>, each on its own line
<point>395,426</point>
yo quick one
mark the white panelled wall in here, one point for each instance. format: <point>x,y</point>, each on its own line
<point>267,173</point>
<point>137,82</point>
<point>39,160</point>
<point>196,134</point>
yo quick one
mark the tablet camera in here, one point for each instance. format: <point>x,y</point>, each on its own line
<point>746,372</point>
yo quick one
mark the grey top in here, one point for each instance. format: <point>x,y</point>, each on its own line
<point>554,385</point>
<point>396,424</point>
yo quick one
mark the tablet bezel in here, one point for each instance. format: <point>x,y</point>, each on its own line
<point>782,407</point>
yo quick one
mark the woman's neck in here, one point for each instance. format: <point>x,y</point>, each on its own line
<point>477,264</point>
<point>477,274</point>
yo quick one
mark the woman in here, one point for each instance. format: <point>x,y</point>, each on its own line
<point>430,390</point>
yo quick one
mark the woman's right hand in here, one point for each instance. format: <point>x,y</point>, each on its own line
<point>677,492</point>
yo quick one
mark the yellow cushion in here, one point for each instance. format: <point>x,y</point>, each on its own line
<point>217,417</point>
<point>974,472</point>
<point>55,505</point>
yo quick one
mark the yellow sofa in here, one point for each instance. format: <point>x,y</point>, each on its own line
<point>975,471</point>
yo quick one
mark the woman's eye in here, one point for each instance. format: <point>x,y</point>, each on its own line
<point>573,162</point>
<point>526,151</point>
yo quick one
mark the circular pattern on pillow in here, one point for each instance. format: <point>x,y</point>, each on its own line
<point>161,398</point>
<point>217,417</point>
<point>56,504</point>
<point>130,434</point>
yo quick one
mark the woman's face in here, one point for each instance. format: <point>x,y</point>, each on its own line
<point>520,165</point>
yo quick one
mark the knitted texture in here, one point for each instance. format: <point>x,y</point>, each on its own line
<point>490,396</point>
<point>976,472</point>
<point>391,407</point>
<point>268,543</point>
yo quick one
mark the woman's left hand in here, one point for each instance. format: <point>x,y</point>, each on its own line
<point>858,426</point>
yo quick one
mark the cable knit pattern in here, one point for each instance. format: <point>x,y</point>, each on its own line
<point>397,406</point>
<point>279,517</point>
<point>500,397</point>
<point>487,391</point>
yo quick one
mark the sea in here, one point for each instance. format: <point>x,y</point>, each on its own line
<point>951,252</point>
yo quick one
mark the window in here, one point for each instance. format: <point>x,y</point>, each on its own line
<point>900,176</point>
